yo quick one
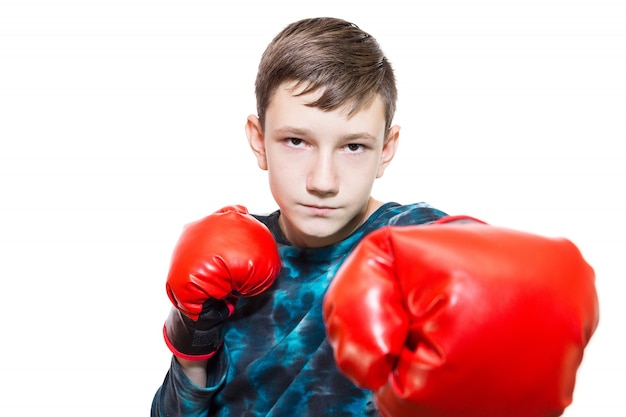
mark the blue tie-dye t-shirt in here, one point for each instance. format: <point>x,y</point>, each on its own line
<point>276,360</point>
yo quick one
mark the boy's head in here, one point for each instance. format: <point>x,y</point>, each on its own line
<point>330,55</point>
<point>326,98</point>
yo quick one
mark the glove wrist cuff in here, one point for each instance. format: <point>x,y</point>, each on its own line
<point>196,356</point>
<point>197,339</point>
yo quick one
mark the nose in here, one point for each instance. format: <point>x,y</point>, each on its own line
<point>322,178</point>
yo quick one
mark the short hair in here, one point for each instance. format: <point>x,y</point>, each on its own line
<point>331,54</point>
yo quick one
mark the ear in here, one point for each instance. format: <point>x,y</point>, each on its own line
<point>254,132</point>
<point>389,149</point>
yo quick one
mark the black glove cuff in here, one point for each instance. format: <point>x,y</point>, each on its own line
<point>196,339</point>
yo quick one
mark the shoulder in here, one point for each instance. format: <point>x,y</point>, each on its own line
<point>405,214</point>
<point>271,221</point>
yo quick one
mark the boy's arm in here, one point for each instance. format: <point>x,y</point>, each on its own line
<point>196,371</point>
<point>224,256</point>
<point>181,396</point>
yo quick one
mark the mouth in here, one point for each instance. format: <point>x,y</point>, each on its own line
<point>319,211</point>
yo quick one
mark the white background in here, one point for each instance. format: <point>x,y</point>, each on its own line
<point>120,121</point>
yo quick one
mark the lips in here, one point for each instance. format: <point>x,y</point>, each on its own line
<point>319,211</point>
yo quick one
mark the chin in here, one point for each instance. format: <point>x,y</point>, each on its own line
<point>318,237</point>
<point>317,231</point>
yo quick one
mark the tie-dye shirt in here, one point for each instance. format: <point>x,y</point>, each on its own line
<point>276,360</point>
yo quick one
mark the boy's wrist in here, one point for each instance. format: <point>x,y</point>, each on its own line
<point>196,371</point>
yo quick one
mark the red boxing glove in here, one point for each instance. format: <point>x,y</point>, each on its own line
<point>463,320</point>
<point>217,259</point>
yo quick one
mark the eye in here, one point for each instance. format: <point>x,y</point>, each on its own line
<point>354,148</point>
<point>295,142</point>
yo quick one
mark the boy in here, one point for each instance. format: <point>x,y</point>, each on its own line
<point>247,329</point>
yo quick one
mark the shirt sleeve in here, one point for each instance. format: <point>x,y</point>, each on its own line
<point>179,397</point>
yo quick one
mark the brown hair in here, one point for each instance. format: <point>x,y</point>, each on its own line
<point>332,54</point>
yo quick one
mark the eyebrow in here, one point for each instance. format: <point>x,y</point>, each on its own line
<point>297,131</point>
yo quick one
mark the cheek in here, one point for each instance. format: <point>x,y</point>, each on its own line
<point>282,180</point>
<point>358,181</point>
<point>360,172</point>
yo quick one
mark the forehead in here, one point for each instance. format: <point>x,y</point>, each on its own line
<point>287,105</point>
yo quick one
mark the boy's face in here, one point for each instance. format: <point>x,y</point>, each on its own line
<point>321,164</point>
